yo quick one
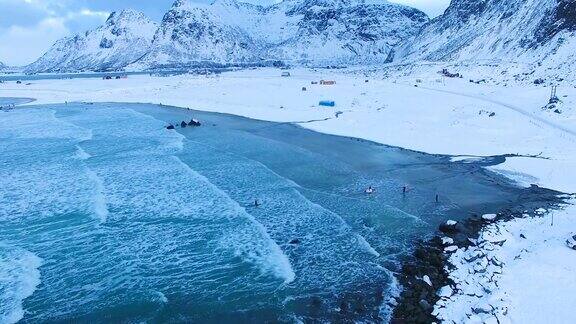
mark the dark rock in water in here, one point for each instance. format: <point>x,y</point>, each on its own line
<point>194,122</point>
<point>414,303</point>
<point>183,124</point>
<point>170,127</point>
<point>449,227</point>
<point>425,305</point>
<point>295,241</point>
<point>523,236</point>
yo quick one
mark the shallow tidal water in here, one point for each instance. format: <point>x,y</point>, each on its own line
<point>6,101</point>
<point>106,216</point>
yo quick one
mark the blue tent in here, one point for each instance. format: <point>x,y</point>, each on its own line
<point>327,103</point>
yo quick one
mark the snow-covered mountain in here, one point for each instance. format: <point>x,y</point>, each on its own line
<point>526,31</point>
<point>302,31</point>
<point>194,33</point>
<point>123,39</point>
<point>231,32</point>
<point>344,31</point>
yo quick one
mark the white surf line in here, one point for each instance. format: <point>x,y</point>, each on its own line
<point>393,291</point>
<point>99,198</point>
<point>280,263</point>
<point>519,110</point>
<point>99,201</point>
<point>19,278</point>
<point>81,154</point>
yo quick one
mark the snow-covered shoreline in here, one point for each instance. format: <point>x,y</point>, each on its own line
<point>517,271</point>
<point>434,115</point>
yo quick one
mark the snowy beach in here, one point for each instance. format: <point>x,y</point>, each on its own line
<point>427,113</point>
<point>438,116</point>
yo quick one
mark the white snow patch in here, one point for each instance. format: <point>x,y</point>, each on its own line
<point>489,217</point>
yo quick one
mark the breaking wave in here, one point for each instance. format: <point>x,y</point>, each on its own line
<point>19,277</point>
<point>99,199</point>
<point>252,243</point>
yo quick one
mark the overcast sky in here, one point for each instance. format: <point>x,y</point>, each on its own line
<point>29,27</point>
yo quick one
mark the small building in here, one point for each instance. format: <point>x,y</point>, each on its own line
<point>327,103</point>
<point>285,74</point>
<point>327,82</point>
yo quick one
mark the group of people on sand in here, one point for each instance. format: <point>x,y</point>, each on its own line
<point>192,123</point>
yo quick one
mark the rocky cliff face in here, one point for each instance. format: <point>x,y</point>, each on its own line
<point>562,18</point>
<point>193,33</point>
<point>344,31</point>
<point>506,30</point>
<point>294,31</point>
<point>123,39</point>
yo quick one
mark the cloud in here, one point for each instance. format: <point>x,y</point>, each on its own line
<point>29,27</point>
<point>23,44</point>
<point>18,12</point>
<point>84,19</point>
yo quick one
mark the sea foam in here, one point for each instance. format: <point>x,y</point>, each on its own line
<point>99,198</point>
<point>252,243</point>
<point>19,277</point>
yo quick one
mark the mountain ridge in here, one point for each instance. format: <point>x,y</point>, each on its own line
<point>314,32</point>
<point>526,31</point>
<point>539,33</point>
